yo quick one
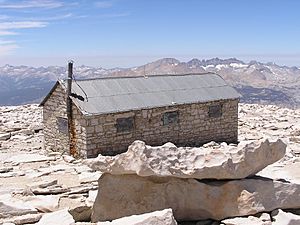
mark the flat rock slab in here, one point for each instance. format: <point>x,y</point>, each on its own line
<point>88,177</point>
<point>10,206</point>
<point>24,219</point>
<point>53,190</point>
<point>289,171</point>
<point>212,161</point>
<point>264,219</point>
<point>26,158</point>
<point>48,203</point>
<point>163,217</point>
<point>124,195</point>
<point>5,169</point>
<point>61,217</point>
<point>42,184</point>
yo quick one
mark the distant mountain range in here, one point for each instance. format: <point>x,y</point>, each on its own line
<point>257,82</point>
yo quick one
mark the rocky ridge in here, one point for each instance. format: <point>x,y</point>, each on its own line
<point>35,184</point>
<point>258,82</point>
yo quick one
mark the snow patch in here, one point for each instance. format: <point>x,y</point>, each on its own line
<point>207,67</point>
<point>219,67</point>
<point>238,65</point>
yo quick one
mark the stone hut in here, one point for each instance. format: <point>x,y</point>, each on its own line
<point>108,114</point>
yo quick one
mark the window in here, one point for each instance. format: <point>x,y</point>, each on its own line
<point>62,124</point>
<point>170,118</point>
<point>125,124</point>
<point>215,111</point>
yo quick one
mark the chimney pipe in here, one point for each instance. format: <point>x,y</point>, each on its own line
<point>69,89</point>
<point>71,126</point>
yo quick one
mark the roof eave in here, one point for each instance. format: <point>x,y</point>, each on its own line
<point>49,94</point>
<point>84,113</point>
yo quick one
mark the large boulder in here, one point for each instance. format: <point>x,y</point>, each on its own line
<point>163,217</point>
<point>212,161</point>
<point>190,199</point>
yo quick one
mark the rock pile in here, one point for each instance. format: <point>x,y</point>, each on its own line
<point>209,182</point>
<point>43,187</point>
<point>34,183</point>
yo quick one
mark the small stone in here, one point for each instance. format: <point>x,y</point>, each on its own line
<point>5,137</point>
<point>5,169</point>
<point>43,184</point>
<point>68,158</point>
<point>284,218</point>
<point>81,213</point>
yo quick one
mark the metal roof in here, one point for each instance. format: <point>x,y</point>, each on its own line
<point>109,95</point>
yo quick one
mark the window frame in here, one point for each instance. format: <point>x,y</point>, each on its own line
<point>215,111</point>
<point>121,125</point>
<point>62,125</point>
<point>170,118</point>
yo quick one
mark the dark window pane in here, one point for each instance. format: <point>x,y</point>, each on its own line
<point>215,111</point>
<point>170,117</point>
<point>125,124</point>
<point>62,124</point>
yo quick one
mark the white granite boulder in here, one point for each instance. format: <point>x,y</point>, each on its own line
<point>124,195</point>
<point>208,162</point>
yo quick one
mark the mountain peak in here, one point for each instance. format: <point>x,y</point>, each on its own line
<point>167,61</point>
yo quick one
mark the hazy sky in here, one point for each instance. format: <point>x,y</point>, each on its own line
<point>125,33</point>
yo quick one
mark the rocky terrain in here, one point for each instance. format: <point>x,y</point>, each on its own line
<point>266,83</point>
<point>38,187</point>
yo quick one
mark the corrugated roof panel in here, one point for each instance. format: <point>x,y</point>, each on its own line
<point>110,95</point>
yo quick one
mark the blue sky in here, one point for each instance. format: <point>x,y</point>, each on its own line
<point>125,33</point>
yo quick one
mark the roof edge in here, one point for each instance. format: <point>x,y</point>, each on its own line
<point>148,75</point>
<point>49,94</point>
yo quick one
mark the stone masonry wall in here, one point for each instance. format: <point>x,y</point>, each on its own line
<point>55,132</point>
<point>80,132</point>
<point>193,128</point>
<point>53,108</point>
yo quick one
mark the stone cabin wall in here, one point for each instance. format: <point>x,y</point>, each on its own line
<point>56,125</point>
<point>194,127</point>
